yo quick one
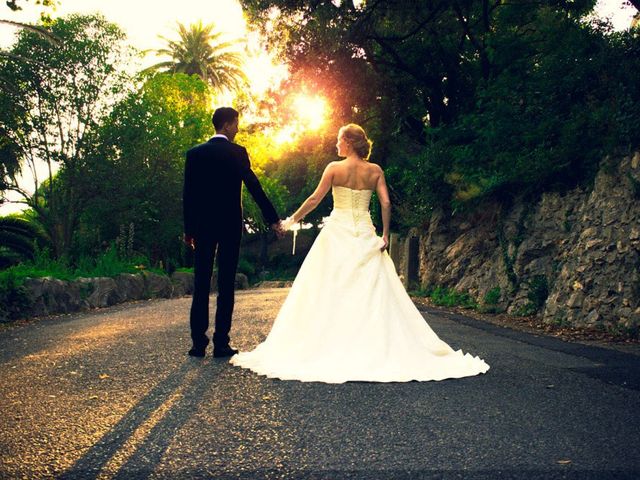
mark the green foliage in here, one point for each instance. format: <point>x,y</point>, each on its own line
<point>281,266</point>
<point>526,310</point>
<point>277,194</point>
<point>505,243</point>
<point>450,297</point>
<point>134,174</point>
<point>246,266</point>
<point>468,100</point>
<point>492,297</point>
<point>538,291</point>
<point>201,51</point>
<point>107,264</point>
<point>18,238</point>
<point>13,296</point>
<point>53,97</point>
<point>623,331</point>
<point>537,296</point>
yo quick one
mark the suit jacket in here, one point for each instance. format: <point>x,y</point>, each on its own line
<point>212,193</point>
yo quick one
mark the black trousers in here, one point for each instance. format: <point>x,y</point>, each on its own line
<point>228,250</point>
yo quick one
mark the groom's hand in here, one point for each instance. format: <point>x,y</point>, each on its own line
<point>277,227</point>
<point>189,240</point>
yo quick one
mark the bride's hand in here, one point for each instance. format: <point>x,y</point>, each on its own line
<point>287,223</point>
<point>385,239</point>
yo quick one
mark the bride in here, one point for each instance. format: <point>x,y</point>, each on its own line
<point>347,316</point>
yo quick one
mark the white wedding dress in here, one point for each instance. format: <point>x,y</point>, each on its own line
<point>348,316</point>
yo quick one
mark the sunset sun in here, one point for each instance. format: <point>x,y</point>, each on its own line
<point>308,113</point>
<point>310,110</point>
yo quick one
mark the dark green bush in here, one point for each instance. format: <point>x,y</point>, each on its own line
<point>13,296</point>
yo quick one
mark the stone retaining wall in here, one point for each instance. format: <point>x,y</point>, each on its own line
<point>574,254</point>
<point>52,296</point>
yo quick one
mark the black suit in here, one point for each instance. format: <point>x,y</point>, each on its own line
<point>212,196</point>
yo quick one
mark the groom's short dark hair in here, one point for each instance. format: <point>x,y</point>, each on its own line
<point>223,115</point>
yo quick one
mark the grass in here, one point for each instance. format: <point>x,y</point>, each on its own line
<point>109,264</point>
<point>14,297</point>
<point>447,297</point>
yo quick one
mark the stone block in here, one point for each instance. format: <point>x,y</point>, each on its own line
<point>130,286</point>
<point>157,286</point>
<point>182,283</point>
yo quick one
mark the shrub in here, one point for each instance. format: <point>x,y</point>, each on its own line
<point>450,297</point>
<point>492,297</point>
<point>538,292</point>
<point>13,296</point>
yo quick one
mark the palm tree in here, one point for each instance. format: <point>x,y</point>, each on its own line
<point>202,52</point>
<point>18,238</point>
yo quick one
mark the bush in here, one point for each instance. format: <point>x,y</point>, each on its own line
<point>449,297</point>
<point>538,292</point>
<point>110,264</point>
<point>492,297</point>
<point>13,296</point>
<point>246,266</point>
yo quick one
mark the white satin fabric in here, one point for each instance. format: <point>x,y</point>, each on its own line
<point>348,316</point>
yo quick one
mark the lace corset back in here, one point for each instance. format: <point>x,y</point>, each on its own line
<point>350,199</point>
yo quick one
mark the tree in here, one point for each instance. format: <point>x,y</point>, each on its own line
<point>134,173</point>
<point>468,98</point>
<point>45,16</point>
<point>52,107</point>
<point>201,51</point>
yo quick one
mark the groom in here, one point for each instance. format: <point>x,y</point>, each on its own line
<point>213,176</point>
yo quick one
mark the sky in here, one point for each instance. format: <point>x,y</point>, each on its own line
<point>144,20</point>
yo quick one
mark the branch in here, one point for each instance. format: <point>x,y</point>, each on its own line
<point>22,59</point>
<point>46,34</point>
<point>419,27</point>
<point>465,27</point>
<point>399,62</point>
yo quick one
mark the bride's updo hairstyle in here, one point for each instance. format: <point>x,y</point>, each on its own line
<point>357,138</point>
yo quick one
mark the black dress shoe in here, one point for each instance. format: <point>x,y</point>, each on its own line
<point>197,351</point>
<point>224,351</point>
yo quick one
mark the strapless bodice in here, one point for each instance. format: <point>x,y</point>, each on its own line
<point>346,198</point>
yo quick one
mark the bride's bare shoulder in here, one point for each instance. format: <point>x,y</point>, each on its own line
<point>376,170</point>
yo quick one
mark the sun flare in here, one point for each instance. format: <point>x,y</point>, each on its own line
<point>310,110</point>
<point>308,113</point>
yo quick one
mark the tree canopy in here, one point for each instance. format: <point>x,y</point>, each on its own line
<point>202,51</point>
<point>53,98</point>
<point>467,99</point>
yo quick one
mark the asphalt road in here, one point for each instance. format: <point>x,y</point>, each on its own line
<point>112,394</point>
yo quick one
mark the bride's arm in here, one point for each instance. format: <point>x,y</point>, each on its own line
<point>385,206</point>
<point>316,197</point>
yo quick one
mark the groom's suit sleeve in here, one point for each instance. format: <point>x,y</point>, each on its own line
<point>188,199</point>
<point>255,189</point>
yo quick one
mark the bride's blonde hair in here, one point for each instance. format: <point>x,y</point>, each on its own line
<point>357,138</point>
